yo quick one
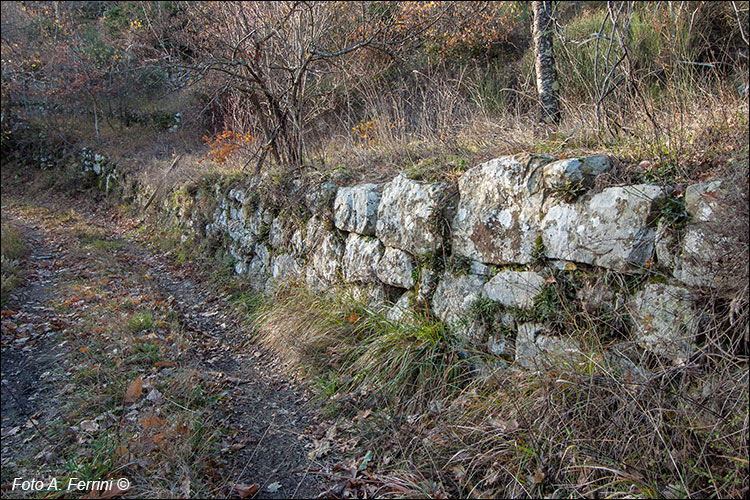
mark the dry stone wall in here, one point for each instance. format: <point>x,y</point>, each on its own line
<point>488,258</point>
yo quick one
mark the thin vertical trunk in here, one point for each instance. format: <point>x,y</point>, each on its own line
<point>546,77</point>
<point>96,125</point>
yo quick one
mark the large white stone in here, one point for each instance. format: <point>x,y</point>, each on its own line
<point>284,267</point>
<point>514,288</point>
<point>356,208</point>
<point>373,295</point>
<point>361,257</point>
<point>665,322</point>
<point>702,199</point>
<point>396,268</point>
<point>280,232</point>
<point>497,217</point>
<point>574,171</point>
<point>610,229</point>
<point>454,295</point>
<point>258,273</point>
<point>408,215</point>
<point>698,258</point>
<point>324,268</point>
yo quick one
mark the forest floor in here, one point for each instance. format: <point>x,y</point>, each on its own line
<point>118,362</point>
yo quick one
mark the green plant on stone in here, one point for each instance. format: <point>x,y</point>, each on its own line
<point>459,264</point>
<point>570,191</point>
<point>431,261</point>
<point>264,231</point>
<point>672,212</point>
<point>416,274</point>
<point>538,253</point>
<point>487,312</point>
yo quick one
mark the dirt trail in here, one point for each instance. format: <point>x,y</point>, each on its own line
<point>266,426</point>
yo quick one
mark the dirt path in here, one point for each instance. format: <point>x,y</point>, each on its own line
<point>98,318</point>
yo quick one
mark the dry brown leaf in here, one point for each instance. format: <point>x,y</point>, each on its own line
<point>159,439</point>
<point>538,476</point>
<point>116,491</point>
<point>135,390</point>
<point>245,490</point>
<point>153,421</point>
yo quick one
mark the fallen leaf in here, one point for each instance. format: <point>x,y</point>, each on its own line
<point>135,389</point>
<point>365,461</point>
<point>245,490</point>
<point>274,487</point>
<point>538,476</point>
<point>321,449</point>
<point>362,415</point>
<point>89,426</point>
<point>153,421</point>
<point>115,491</point>
<point>459,472</point>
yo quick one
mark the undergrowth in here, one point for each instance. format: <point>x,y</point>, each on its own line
<point>404,364</point>
<point>13,249</point>
<point>454,422</point>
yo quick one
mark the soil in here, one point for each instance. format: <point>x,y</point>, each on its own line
<point>264,407</point>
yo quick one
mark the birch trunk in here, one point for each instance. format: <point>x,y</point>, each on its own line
<point>546,77</point>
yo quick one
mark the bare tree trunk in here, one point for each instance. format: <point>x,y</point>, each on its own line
<point>96,125</point>
<point>546,77</point>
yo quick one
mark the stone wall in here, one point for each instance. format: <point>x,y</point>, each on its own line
<point>488,257</point>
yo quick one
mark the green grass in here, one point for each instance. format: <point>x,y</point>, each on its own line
<point>348,347</point>
<point>13,249</point>
<point>140,321</point>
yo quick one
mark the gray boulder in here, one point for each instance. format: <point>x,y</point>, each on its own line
<point>497,217</point>
<point>535,349</point>
<point>665,321</point>
<point>514,288</point>
<point>408,215</point>
<point>401,310</point>
<point>356,208</point>
<point>562,174</point>
<point>610,229</point>
<point>454,295</point>
<point>396,268</point>
<point>361,257</point>
<point>324,267</point>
